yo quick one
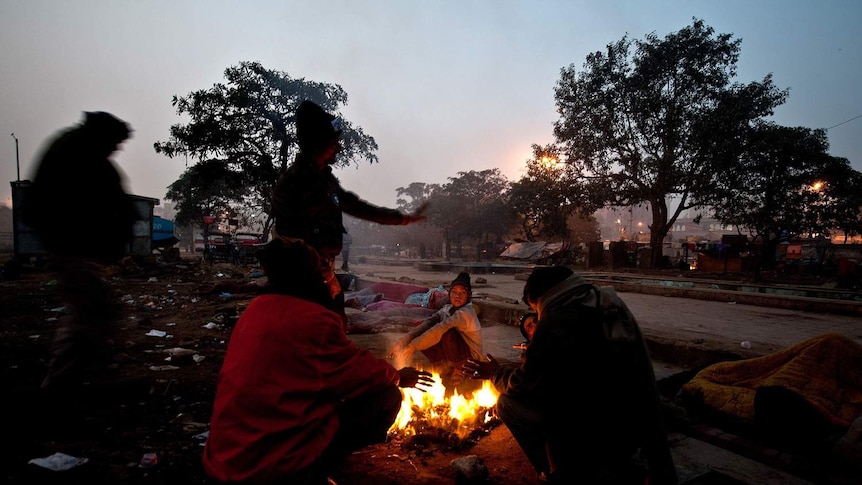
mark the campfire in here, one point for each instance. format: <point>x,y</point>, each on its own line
<point>457,414</point>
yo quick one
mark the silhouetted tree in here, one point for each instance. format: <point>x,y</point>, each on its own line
<point>246,126</point>
<point>546,195</point>
<point>636,126</point>
<point>775,189</point>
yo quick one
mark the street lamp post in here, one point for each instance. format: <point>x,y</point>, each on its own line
<point>17,159</point>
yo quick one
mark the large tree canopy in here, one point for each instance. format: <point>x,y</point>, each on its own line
<point>636,125</point>
<point>784,184</point>
<point>246,128</point>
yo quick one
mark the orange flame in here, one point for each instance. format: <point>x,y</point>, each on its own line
<point>459,414</point>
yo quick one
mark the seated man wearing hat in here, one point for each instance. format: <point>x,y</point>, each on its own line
<point>449,337</point>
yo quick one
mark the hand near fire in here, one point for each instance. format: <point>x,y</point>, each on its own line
<point>476,369</point>
<point>412,377</point>
<point>401,351</point>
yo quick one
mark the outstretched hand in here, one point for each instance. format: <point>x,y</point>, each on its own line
<point>412,377</point>
<point>400,352</point>
<point>418,215</point>
<point>476,369</point>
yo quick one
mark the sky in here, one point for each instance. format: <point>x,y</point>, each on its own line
<point>443,86</point>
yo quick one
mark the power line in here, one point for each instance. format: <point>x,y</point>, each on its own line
<point>848,121</point>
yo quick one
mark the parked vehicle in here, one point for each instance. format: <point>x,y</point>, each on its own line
<point>245,245</point>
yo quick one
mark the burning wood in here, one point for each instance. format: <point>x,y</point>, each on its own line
<point>434,416</point>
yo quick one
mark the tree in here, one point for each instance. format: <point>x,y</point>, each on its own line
<point>546,195</point>
<point>635,126</point>
<point>843,188</point>
<point>775,189</point>
<point>243,131</point>
<point>471,206</point>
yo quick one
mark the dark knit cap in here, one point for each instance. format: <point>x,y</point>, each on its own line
<point>543,279</point>
<point>462,279</point>
<point>106,126</point>
<point>314,126</point>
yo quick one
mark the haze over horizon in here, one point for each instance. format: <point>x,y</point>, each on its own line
<point>443,87</point>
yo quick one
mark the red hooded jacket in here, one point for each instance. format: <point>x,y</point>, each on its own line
<point>288,366</point>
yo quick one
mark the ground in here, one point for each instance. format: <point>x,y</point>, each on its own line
<point>149,404</point>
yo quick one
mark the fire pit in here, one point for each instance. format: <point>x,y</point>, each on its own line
<point>445,416</point>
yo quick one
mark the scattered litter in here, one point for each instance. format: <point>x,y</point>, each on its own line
<point>59,462</point>
<point>225,295</point>
<point>211,325</point>
<point>745,344</point>
<point>178,351</point>
<point>149,460</point>
<point>202,436</point>
<point>172,324</point>
<point>51,283</point>
<point>58,309</point>
<point>195,300</point>
<point>731,303</point>
<point>163,367</point>
<point>152,279</point>
<point>198,357</point>
<point>33,337</point>
<point>156,333</point>
<point>471,466</point>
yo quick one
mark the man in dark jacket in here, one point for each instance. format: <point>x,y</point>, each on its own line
<point>308,201</point>
<point>588,343</point>
<point>75,170</point>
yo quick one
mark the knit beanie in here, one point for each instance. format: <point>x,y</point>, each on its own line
<point>106,126</point>
<point>462,279</point>
<point>314,126</point>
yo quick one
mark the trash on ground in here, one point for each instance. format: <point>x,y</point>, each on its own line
<point>59,462</point>
<point>149,460</point>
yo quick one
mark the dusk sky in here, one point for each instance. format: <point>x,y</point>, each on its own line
<point>443,86</point>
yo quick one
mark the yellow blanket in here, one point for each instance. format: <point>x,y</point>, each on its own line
<point>825,371</point>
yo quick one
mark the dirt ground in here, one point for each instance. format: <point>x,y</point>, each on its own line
<point>155,403</point>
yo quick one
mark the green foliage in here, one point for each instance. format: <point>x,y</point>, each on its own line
<point>636,126</point>
<point>246,125</point>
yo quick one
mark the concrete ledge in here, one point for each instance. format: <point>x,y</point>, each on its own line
<point>799,303</point>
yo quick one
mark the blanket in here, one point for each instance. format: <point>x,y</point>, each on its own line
<point>390,307</point>
<point>820,378</point>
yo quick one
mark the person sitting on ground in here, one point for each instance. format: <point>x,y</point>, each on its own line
<point>448,337</point>
<point>294,395</point>
<point>586,339</point>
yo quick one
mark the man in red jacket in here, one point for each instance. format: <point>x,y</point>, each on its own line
<point>294,395</point>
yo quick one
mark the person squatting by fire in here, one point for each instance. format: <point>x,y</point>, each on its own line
<point>447,338</point>
<point>294,395</point>
<point>585,337</point>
